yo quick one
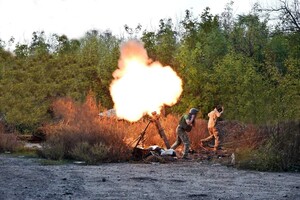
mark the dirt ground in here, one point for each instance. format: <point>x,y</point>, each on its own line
<point>26,178</point>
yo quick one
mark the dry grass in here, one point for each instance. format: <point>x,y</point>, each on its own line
<point>275,148</point>
<point>236,135</point>
<point>8,141</point>
<point>78,128</point>
<point>80,134</point>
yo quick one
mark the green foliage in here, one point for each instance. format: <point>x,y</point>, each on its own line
<point>241,63</point>
<point>258,160</point>
<point>91,154</point>
<point>277,52</point>
<point>283,93</point>
<point>54,149</point>
<point>149,41</point>
<point>162,45</point>
<point>24,92</point>
<point>31,80</point>
<point>99,52</point>
<point>165,42</point>
<point>250,36</point>
<point>233,75</point>
<point>238,62</point>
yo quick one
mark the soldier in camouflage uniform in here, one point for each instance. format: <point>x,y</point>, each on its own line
<point>186,123</point>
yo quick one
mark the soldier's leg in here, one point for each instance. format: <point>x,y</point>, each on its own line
<point>211,135</point>
<point>186,141</point>
<point>178,140</point>
<point>217,138</point>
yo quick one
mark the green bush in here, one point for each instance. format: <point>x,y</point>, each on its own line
<point>257,159</point>
<point>91,154</point>
<point>52,149</point>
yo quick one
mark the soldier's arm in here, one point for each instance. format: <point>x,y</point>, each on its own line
<point>190,121</point>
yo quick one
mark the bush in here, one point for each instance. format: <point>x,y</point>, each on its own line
<point>52,149</point>
<point>79,133</point>
<point>91,154</point>
<point>280,152</point>
<point>8,141</point>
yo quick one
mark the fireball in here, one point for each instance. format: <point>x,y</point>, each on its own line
<point>140,87</point>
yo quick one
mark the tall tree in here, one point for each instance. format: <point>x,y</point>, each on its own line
<point>240,89</point>
<point>39,44</point>
<point>288,15</point>
<point>161,45</point>
<point>226,19</point>
<point>166,42</point>
<point>250,36</point>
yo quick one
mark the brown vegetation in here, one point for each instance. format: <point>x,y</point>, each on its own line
<point>8,141</point>
<point>81,134</point>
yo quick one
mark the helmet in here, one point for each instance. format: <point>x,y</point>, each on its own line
<point>219,108</point>
<point>194,111</point>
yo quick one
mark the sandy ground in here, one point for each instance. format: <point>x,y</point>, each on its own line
<point>26,178</point>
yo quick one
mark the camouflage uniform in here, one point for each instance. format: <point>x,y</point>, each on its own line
<point>182,136</point>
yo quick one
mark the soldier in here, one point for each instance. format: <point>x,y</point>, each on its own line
<point>185,125</point>
<point>212,129</point>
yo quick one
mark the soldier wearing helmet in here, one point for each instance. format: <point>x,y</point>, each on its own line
<point>185,125</point>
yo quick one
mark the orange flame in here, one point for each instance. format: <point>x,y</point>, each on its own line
<point>140,88</point>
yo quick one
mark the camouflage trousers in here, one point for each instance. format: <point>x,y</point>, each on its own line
<point>213,133</point>
<point>182,137</point>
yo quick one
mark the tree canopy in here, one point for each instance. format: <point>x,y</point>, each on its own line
<point>250,68</point>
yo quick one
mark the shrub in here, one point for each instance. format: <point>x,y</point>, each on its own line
<point>8,141</point>
<point>52,149</point>
<point>79,133</point>
<point>91,154</point>
<point>79,130</point>
<point>279,152</point>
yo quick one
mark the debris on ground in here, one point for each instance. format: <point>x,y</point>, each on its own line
<point>160,155</point>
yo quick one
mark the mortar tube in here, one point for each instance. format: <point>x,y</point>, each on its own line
<point>160,130</point>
